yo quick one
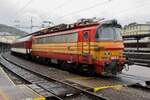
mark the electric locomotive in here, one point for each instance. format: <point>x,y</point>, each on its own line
<point>87,44</point>
<point>94,46</point>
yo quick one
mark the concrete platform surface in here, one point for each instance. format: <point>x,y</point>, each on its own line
<point>10,91</point>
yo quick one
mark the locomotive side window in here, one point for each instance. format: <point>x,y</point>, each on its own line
<point>72,37</point>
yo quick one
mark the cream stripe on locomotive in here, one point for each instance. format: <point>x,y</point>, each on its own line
<point>76,48</point>
<point>73,46</point>
<point>56,47</point>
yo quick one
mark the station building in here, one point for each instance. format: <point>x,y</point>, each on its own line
<point>136,29</point>
<point>5,41</point>
<point>136,37</point>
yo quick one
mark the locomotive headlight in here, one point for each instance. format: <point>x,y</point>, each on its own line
<point>107,53</point>
<point>115,57</point>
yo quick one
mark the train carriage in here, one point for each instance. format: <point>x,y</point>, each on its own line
<point>97,45</point>
<point>22,45</point>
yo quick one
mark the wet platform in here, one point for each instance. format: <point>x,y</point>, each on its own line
<point>10,91</point>
<point>136,74</point>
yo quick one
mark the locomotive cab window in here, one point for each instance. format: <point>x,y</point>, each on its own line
<point>108,33</point>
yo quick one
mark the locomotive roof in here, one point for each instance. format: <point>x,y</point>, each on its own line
<point>62,27</point>
<point>78,25</point>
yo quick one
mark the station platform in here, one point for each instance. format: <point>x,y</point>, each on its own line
<point>10,91</point>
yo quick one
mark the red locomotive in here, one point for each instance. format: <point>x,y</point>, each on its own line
<point>91,46</point>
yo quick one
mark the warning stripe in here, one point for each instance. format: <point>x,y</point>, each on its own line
<point>107,87</point>
<point>40,98</point>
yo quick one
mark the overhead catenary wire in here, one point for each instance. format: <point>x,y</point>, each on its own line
<point>95,5</point>
<point>128,10</point>
<point>131,9</point>
<point>85,9</point>
<point>24,7</point>
<point>30,1</point>
<point>81,10</point>
<point>61,5</point>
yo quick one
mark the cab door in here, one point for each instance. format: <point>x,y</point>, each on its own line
<point>86,43</point>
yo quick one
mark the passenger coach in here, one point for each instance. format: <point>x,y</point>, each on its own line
<point>22,45</point>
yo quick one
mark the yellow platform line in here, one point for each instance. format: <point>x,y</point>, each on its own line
<point>7,77</point>
<point>40,98</point>
<point>4,96</point>
<point>118,87</point>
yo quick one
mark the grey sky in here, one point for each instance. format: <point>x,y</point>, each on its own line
<point>67,11</point>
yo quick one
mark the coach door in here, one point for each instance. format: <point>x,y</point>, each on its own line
<point>86,43</point>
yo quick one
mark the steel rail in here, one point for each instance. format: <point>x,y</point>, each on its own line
<point>98,97</point>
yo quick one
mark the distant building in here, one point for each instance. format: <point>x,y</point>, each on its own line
<point>5,40</point>
<point>136,29</point>
<point>7,37</point>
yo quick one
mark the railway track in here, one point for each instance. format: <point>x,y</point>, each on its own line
<point>50,88</point>
<point>104,90</point>
<point>139,58</point>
